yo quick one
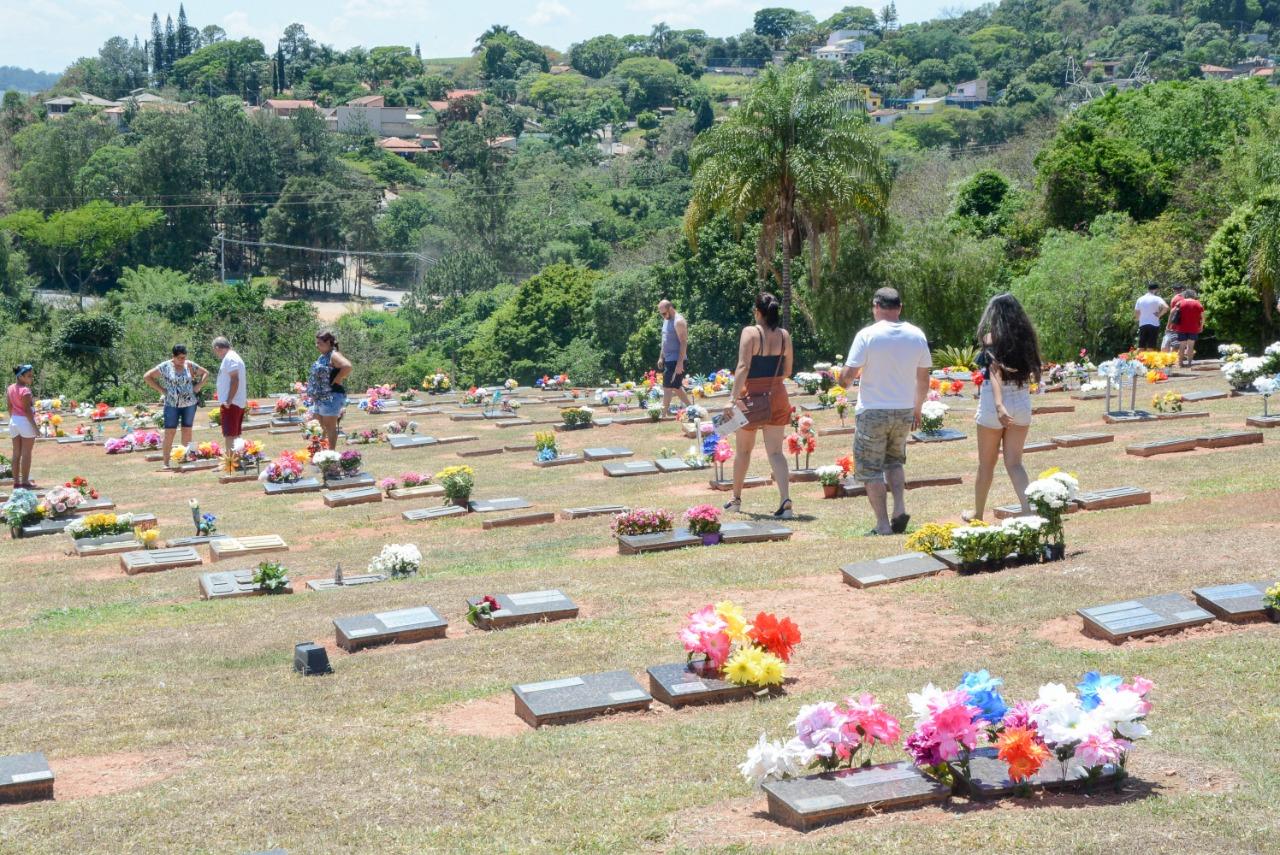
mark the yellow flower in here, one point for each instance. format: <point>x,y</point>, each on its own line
<point>55,419</point>
<point>1050,472</point>
<point>835,391</point>
<point>302,456</point>
<point>752,666</point>
<point>178,454</point>
<point>708,389</point>
<point>736,623</point>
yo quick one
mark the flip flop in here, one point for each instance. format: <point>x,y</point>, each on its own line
<point>898,524</point>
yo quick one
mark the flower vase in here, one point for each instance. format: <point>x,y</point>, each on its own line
<point>830,491</point>
<point>1055,552</point>
<point>462,501</point>
<point>961,782</point>
<point>711,538</point>
<point>1273,614</point>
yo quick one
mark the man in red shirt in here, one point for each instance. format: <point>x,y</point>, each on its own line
<point>1189,323</point>
<point>1170,343</point>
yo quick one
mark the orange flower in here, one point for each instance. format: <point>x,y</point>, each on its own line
<point>935,384</point>
<point>775,636</point>
<point>1022,750</point>
<point>846,464</point>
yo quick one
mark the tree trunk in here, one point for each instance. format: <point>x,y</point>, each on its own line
<point>786,287</point>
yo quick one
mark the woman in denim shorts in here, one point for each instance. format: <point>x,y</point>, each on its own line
<point>179,381</point>
<point>324,385</point>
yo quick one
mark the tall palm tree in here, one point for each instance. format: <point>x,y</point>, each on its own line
<point>1262,248</point>
<point>799,152</point>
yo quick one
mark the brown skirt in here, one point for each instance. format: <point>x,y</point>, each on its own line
<point>779,403</point>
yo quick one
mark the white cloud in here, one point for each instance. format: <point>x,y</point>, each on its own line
<point>545,12</point>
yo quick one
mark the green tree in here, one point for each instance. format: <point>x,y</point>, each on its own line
<point>647,82</point>
<point>778,24</point>
<point>88,342</point>
<point>793,154</point>
<point>1085,173</point>
<point>1240,270</point>
<point>597,56</point>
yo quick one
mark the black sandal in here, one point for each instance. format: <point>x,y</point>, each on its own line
<point>784,511</point>
<point>898,524</point>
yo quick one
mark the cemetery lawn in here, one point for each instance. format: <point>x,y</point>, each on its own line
<point>177,725</point>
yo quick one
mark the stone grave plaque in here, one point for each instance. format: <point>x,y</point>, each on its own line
<point>467,417</point>
<point>949,557</point>
<point>944,435</point>
<point>94,506</point>
<point>519,447</point>
<point>990,775</point>
<point>1050,409</point>
<point>1133,618</point>
<point>488,506</point>
<point>1206,395</point>
<point>895,568</point>
<point>401,440</point>
<point>1237,603</point>
<point>1184,414</point>
<point>667,465</point>
<point>76,440</point>
<point>1005,512</point>
<point>578,698</point>
<point>286,421</point>
<point>633,544</point>
<point>194,466</point>
<point>53,526</point>
<point>433,513</point>
<point>402,626</point>
<point>802,476</point>
<point>602,454</point>
<point>724,486</point>
<point>358,496</point>
<point>593,511</point>
<point>814,408</point>
<point>680,684</point>
<point>109,545</point>
<point>804,803</point>
<point>153,560</point>
<point>454,440</point>
<point>1089,396</point>
<point>535,518</point>
<point>562,460</point>
<point>753,532</point>
<point>347,582</point>
<point>234,583</point>
<point>527,607</point>
<point>422,491</point>
<point>234,547</point>
<point>841,430</point>
<point>629,468</point>
<point>252,425</point>
<point>196,540</point>
<point>360,479</point>
<point>1229,439</point>
<point>1040,445</point>
<point>25,778</point>
<point>302,485</point>
<point>1115,497</point>
<point>1161,446</point>
<point>506,422</point>
<point>1263,421</point>
<point>480,452</point>
<point>1074,440</point>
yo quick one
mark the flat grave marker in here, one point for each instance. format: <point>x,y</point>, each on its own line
<point>660,541</point>
<point>402,441</point>
<point>944,435</point>
<point>401,626</point>
<point>1263,421</point>
<point>454,440</point>
<point>753,532</point>
<point>667,465</point>
<point>25,778</point>
<point>94,506</point>
<point>516,520</point>
<point>228,547</point>
<point>1116,622</point>
<point>357,496</point>
<point>629,468</point>
<point>520,446</point>
<point>1076,440</point>
<point>1039,445</point>
<point>1181,414</point>
<point>579,698</point>
<point>1238,603</point>
<point>348,482</point>
<point>1229,439</point>
<point>562,460</point>
<point>527,607</point>
<point>990,776</point>
<point>1161,446</point>
<point>422,491</point>
<point>725,485</point>
<point>466,417</point>
<point>488,506</point>
<point>154,560</point>
<point>602,454</point>
<point>1050,409</point>
<point>422,514</point>
<point>195,540</point>
<point>1089,396</point>
<point>76,440</point>
<point>86,547</point>
<point>1206,395</point>
<point>895,568</point>
<point>804,803</point>
<point>593,511</point>
<point>288,488</point>
<point>234,583</point>
<point>480,452</point>
<point>840,430</point>
<point>53,526</point>
<point>680,684</point>
<point>332,584</point>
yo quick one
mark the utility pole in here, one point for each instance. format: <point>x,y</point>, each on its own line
<point>222,253</point>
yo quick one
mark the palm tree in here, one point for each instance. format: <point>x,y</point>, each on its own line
<point>799,153</point>
<point>1262,248</point>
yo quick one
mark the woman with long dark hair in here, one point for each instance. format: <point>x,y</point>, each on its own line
<point>324,385</point>
<point>764,360</point>
<point>1010,362</point>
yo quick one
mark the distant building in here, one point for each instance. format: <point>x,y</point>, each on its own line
<point>561,69</point>
<point>885,117</point>
<point>504,142</point>
<point>1109,67</point>
<point>975,89</point>
<point>370,114</point>
<point>926,106</point>
<point>62,105</point>
<point>841,50</point>
<point>286,108</point>
<point>454,94</point>
<point>1216,72</point>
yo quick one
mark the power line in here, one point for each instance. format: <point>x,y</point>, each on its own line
<point>366,252</point>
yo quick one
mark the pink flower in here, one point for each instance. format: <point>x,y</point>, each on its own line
<point>706,428</point>
<point>869,721</point>
<point>934,396</point>
<point>723,452</point>
<point>948,724</point>
<point>1142,685</point>
<point>818,726</point>
<point>706,633</point>
<point>805,425</point>
<point>1100,747</point>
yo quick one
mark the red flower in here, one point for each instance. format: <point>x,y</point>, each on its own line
<point>845,463</point>
<point>977,378</point>
<point>490,602</point>
<point>774,635</point>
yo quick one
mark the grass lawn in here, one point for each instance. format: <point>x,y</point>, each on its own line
<point>177,725</point>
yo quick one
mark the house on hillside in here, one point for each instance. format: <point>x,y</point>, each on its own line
<point>841,50</point>
<point>1216,72</point>
<point>971,89</point>
<point>286,108</point>
<point>885,118</point>
<point>455,94</point>
<point>60,106</point>
<point>561,69</point>
<point>370,114</point>
<point>926,106</point>
<point>507,143</point>
<point>1109,67</point>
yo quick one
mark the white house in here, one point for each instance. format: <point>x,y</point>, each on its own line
<point>885,118</point>
<point>371,114</point>
<point>61,106</point>
<point>973,90</point>
<point>841,50</point>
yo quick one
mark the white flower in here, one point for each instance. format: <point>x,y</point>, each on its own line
<point>1051,492</point>
<point>768,761</point>
<point>325,458</point>
<point>397,559</point>
<point>1121,710</point>
<point>822,366</point>
<point>920,700</point>
<point>1265,385</point>
<point>933,410</point>
<point>1060,719</point>
<point>828,472</point>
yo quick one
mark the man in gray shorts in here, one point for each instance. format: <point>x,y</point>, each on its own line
<point>891,361</point>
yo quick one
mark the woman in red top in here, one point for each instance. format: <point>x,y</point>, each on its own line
<point>22,424</point>
<point>1188,325</point>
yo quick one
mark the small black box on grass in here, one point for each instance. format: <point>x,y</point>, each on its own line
<point>310,659</point>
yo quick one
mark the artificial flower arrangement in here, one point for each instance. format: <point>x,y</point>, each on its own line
<point>398,427</point>
<point>932,416</point>
<point>312,429</point>
<point>327,462</point>
<point>559,382</point>
<point>196,451</point>
<point>1240,373</point>
<point>704,521</point>
<point>1229,352</point>
<point>100,525</point>
<point>483,610</point>
<point>6,467</point>
<point>206,524</point>
<point>546,446</point>
<point>381,392</point>
<point>1155,358</point>
<point>22,508</point>
<point>403,482</point>
<point>271,577</point>
<point>510,384</point>
<point>146,440</point>
<point>1050,495</point>
<point>1018,539</point>
<point>118,444</point>
<point>1271,599</point>
<point>437,384</point>
<point>746,654</point>
<point>373,406</point>
<point>288,405</point>
<point>577,416</point>
<point>242,456</point>
<point>829,477</point>
<point>931,538</point>
<point>641,521</point>
<point>804,440</point>
<point>809,381</point>
<point>654,411</point>
<point>286,468</point>
<point>1169,402</point>
<point>1266,387</point>
<point>721,454</point>
<point>475,395</point>
<point>409,395</point>
<point>1156,375</point>
<point>458,482</point>
<point>846,464</point>
<point>148,537</point>
<point>692,413</point>
<point>367,436</point>
<point>81,485</point>
<point>842,407</point>
<point>397,560</point>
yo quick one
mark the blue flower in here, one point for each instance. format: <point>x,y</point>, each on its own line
<point>1092,683</point>
<point>983,692</point>
<point>709,443</point>
<point>547,454</point>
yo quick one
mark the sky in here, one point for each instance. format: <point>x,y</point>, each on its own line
<point>49,35</point>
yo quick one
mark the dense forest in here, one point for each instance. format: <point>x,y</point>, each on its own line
<point>546,214</point>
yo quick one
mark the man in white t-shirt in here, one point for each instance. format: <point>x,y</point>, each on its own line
<point>232,394</point>
<point>891,361</point>
<point>1148,311</point>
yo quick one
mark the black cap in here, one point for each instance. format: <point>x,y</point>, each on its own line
<point>1153,287</point>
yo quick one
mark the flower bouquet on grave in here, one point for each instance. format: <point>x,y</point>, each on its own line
<point>100,525</point>
<point>510,384</point>
<point>285,469</point>
<point>382,392</point>
<point>437,384</point>
<point>206,524</point>
<point>146,440</point>
<point>458,482</point>
<point>215,417</point>
<point>1095,726</point>
<point>694,458</point>
<point>327,462</point>
<point>1266,387</point>
<point>100,411</point>
<point>397,560</point>
<point>546,446</point>
<point>654,411</point>
<point>408,396</point>
<point>6,467</point>
<point>148,537</point>
<point>950,726</point>
<point>482,610</point>
<point>373,406</point>
<point>399,427</point>
<point>704,521</point>
<point>931,538</point>
<point>80,484</point>
<point>932,416</point>
<point>367,436</point>
<point>118,444</point>
<point>59,501</point>
<point>577,416</point>
<point>745,654</point>
<point>1271,599</point>
<point>641,521</point>
<point>474,395</point>
<point>693,413</point>
<point>243,456</point>
<point>403,482</point>
<point>288,405</point>
<point>1051,494</point>
<point>23,508</point>
<point>1169,402</point>
<point>830,477</point>
<point>802,442</point>
<point>720,455</point>
<point>828,736</point>
<point>270,577</point>
<point>349,463</point>
<point>808,381</point>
